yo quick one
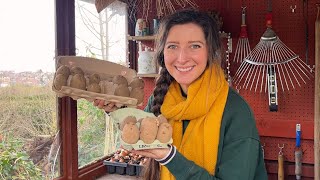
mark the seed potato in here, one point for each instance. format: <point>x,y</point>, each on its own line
<point>130,133</point>
<point>138,94</point>
<point>63,69</point>
<point>122,90</point>
<point>59,81</point>
<point>137,82</point>
<point>94,78</point>
<point>119,79</point>
<point>148,130</point>
<point>76,70</point>
<point>94,87</point>
<point>164,133</point>
<point>128,119</point>
<point>78,81</point>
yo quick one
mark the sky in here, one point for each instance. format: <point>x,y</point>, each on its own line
<point>27,35</point>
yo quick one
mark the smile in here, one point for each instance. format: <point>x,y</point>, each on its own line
<point>186,69</point>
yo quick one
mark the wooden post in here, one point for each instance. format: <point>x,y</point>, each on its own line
<point>317,100</point>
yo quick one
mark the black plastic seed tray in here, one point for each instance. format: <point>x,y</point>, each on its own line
<point>123,168</point>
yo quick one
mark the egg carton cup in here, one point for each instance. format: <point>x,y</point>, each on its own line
<point>76,94</point>
<point>106,70</point>
<point>119,115</point>
<point>141,145</point>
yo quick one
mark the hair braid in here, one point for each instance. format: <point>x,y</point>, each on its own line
<point>161,89</point>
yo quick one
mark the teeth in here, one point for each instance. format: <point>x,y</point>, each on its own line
<point>184,69</point>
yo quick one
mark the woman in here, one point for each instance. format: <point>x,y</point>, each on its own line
<point>214,131</point>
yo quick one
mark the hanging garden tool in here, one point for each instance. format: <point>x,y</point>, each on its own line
<point>243,45</point>
<point>280,163</point>
<point>269,63</point>
<point>298,153</point>
<point>305,17</point>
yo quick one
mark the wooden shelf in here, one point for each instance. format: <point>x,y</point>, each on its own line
<point>141,38</point>
<point>148,75</point>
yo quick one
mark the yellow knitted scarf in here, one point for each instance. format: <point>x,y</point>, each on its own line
<point>204,107</point>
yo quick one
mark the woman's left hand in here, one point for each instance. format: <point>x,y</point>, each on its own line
<point>153,153</point>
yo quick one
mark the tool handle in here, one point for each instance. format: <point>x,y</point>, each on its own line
<point>298,163</point>
<point>269,9</point>
<point>298,138</point>
<point>269,15</point>
<point>280,167</point>
<point>243,16</point>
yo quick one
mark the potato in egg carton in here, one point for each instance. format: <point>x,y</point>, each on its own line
<point>90,78</point>
<point>142,130</point>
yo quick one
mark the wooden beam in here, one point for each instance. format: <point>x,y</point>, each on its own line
<point>317,100</point>
<point>93,171</point>
<point>67,109</point>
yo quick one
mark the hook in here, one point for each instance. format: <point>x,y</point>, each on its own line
<point>243,9</point>
<point>293,8</point>
<point>281,147</point>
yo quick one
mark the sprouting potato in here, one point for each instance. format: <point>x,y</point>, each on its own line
<point>94,78</point>
<point>78,81</point>
<point>148,130</point>
<point>63,69</point>
<point>76,70</point>
<point>59,81</point>
<point>130,133</point>
<point>164,133</point>
<point>127,120</point>
<point>119,79</point>
<point>161,119</point>
<point>138,94</point>
<point>94,87</point>
<point>137,83</point>
<point>122,90</point>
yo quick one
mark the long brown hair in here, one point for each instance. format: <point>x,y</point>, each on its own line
<point>211,31</point>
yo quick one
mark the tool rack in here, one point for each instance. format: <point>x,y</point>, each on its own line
<point>295,107</point>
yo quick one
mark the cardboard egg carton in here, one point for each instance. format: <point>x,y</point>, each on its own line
<point>120,114</point>
<point>106,70</point>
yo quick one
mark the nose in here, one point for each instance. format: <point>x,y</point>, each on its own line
<point>182,56</point>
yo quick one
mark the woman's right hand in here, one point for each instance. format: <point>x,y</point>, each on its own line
<point>106,107</point>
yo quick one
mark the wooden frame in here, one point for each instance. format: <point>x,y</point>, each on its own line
<point>67,107</point>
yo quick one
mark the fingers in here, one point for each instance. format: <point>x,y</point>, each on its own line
<point>110,107</point>
<point>144,153</point>
<point>101,104</point>
<point>153,153</point>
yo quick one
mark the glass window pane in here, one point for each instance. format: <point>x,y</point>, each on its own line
<point>101,36</point>
<point>28,124</point>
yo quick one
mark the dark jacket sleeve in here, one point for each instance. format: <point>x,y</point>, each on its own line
<point>235,164</point>
<point>239,153</point>
<point>149,104</point>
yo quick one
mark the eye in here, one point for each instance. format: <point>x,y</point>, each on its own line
<point>195,46</point>
<point>171,46</point>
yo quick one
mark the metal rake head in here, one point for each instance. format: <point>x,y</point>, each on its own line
<point>271,53</point>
